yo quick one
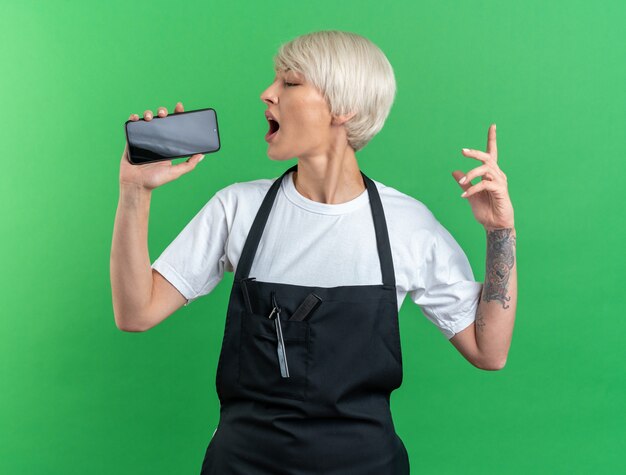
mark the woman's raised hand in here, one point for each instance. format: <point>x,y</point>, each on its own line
<point>153,175</point>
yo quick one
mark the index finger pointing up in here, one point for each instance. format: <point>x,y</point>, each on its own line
<point>492,148</point>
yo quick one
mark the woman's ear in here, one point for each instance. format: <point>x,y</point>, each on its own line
<point>341,119</point>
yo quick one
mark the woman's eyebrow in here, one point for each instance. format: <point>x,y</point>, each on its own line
<point>286,71</point>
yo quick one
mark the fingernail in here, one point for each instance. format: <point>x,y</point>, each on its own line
<point>462,180</point>
<point>463,194</point>
<point>466,149</point>
<point>201,158</point>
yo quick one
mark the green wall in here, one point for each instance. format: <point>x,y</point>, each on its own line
<point>79,396</point>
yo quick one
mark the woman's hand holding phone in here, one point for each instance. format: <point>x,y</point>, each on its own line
<point>153,175</point>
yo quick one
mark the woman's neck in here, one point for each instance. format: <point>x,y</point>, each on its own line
<point>329,184</point>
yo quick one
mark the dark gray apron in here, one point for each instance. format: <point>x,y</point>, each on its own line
<point>310,396</point>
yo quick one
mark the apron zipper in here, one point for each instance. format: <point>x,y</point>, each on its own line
<point>280,343</point>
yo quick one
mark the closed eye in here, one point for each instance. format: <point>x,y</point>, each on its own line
<point>290,83</point>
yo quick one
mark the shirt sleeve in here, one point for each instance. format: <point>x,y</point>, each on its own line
<point>449,295</point>
<point>195,260</point>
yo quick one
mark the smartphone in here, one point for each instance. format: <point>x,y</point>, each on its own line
<point>180,134</point>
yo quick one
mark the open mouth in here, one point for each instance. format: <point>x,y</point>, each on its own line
<point>274,126</point>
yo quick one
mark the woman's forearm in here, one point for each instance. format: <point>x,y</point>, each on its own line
<point>495,316</point>
<point>131,273</point>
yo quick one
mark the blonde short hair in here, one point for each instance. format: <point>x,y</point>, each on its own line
<point>352,74</point>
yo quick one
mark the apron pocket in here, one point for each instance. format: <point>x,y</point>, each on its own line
<point>259,363</point>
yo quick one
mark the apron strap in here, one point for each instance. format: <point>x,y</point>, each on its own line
<point>258,225</point>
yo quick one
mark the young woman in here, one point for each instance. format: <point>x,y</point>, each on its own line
<point>323,257</point>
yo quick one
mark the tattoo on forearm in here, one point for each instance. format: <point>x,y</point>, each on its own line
<point>500,261</point>
<point>480,322</point>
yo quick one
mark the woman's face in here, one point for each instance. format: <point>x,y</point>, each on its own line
<point>303,115</point>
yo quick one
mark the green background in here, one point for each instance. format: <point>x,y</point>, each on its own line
<point>80,396</point>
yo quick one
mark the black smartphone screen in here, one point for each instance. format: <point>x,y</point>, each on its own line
<point>177,135</point>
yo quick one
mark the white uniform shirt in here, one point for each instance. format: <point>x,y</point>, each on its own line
<point>326,245</point>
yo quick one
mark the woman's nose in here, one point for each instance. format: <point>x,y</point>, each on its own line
<point>268,96</point>
<point>268,99</point>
